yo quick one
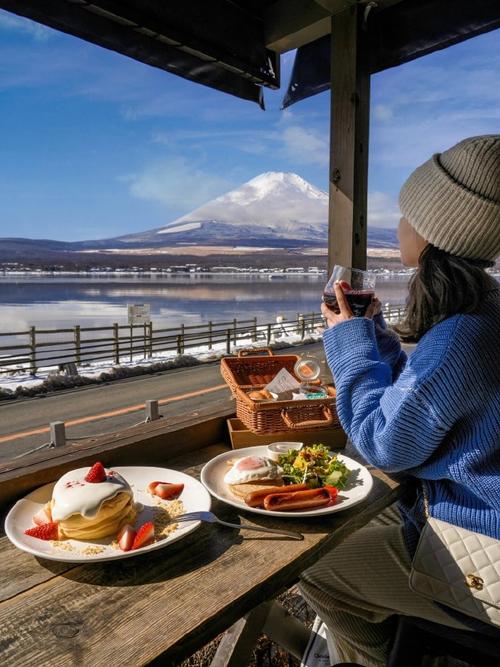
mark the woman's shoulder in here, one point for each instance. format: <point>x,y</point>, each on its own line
<point>462,339</point>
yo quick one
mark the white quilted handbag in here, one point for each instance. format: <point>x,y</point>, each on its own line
<point>458,568</point>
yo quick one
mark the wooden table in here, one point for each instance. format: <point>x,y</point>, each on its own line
<point>163,606</point>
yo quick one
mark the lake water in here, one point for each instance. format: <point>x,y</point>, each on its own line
<point>64,301</point>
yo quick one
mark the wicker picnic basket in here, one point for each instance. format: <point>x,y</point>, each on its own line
<point>246,373</point>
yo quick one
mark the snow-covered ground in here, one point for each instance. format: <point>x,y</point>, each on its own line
<point>49,379</point>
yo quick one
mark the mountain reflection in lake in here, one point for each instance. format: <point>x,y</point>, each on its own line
<point>63,301</point>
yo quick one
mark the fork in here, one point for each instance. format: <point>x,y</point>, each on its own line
<point>209,517</point>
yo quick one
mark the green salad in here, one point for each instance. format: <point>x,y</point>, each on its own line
<point>313,465</point>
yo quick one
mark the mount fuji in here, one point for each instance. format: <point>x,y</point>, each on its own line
<point>271,206</point>
<point>274,210</point>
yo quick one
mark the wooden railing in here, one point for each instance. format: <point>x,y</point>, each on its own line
<point>79,345</point>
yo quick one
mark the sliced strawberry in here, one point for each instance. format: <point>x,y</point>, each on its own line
<point>145,535</point>
<point>42,517</point>
<point>96,473</point>
<point>168,491</point>
<point>49,531</point>
<point>126,537</point>
<point>152,486</point>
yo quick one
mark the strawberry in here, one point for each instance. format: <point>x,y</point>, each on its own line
<point>96,474</point>
<point>49,531</point>
<point>152,486</point>
<point>42,517</point>
<point>168,491</point>
<point>126,537</point>
<point>145,535</point>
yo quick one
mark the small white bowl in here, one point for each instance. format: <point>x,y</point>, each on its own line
<point>275,449</point>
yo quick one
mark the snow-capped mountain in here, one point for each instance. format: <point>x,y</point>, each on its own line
<point>274,209</point>
<point>273,205</point>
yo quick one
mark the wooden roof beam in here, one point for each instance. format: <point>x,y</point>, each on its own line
<point>289,24</point>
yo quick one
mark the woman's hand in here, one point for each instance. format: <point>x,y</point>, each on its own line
<point>344,309</point>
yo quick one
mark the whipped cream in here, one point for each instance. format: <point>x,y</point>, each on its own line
<point>73,495</point>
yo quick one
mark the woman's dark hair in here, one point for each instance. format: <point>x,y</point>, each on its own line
<point>443,285</point>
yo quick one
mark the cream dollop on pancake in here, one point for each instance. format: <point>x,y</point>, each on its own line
<point>86,510</point>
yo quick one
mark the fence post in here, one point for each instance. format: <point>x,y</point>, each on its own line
<point>131,340</point>
<point>302,327</point>
<point>116,343</point>
<point>179,345</point>
<point>144,339</point>
<point>210,335</point>
<point>228,341</point>
<point>77,343</point>
<point>268,334</point>
<point>254,336</point>
<point>235,325</point>
<point>150,336</point>
<point>183,338</point>
<point>33,350</point>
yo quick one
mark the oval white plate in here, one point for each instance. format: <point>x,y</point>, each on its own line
<point>212,476</point>
<point>194,498</point>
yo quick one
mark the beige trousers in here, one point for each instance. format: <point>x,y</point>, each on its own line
<point>359,587</point>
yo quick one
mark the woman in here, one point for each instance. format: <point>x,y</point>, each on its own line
<point>434,416</point>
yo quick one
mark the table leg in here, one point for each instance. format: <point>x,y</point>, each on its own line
<point>270,618</point>
<point>235,649</point>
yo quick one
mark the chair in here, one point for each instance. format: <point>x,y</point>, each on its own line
<point>416,638</point>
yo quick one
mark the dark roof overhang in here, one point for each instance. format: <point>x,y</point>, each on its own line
<point>396,34</point>
<point>219,43</point>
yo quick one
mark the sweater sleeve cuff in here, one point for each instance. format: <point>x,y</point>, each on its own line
<point>350,344</point>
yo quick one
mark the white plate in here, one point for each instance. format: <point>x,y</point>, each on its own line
<point>212,476</point>
<point>194,498</point>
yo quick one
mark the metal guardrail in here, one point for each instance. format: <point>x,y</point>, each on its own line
<point>51,348</point>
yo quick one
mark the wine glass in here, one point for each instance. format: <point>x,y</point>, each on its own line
<point>357,285</point>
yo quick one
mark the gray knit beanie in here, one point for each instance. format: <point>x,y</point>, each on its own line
<point>453,199</point>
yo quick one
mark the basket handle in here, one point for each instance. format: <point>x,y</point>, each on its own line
<point>244,353</point>
<point>311,423</point>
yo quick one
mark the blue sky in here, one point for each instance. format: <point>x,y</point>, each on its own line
<point>93,144</point>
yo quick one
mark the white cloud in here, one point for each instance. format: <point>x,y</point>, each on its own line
<point>177,183</point>
<point>382,112</point>
<point>383,210</point>
<point>305,146</point>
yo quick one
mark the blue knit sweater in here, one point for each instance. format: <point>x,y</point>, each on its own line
<point>434,416</point>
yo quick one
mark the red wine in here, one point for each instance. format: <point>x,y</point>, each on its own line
<point>358,299</point>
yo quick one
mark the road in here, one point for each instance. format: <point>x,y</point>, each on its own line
<point>105,408</point>
<point>86,411</point>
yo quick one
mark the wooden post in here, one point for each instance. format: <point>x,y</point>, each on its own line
<point>350,108</point>
<point>116,343</point>
<point>183,340</point>
<point>210,335</point>
<point>179,345</point>
<point>144,339</point>
<point>268,334</point>
<point>254,337</point>
<point>131,340</point>
<point>33,350</point>
<point>77,343</point>
<point>228,341</point>
<point>235,326</point>
<point>150,340</point>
